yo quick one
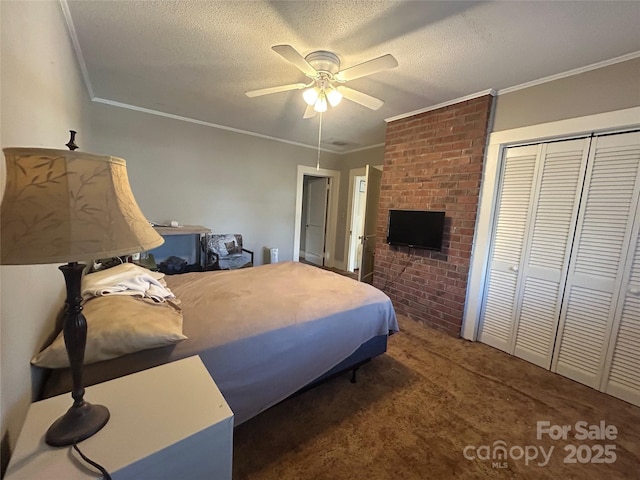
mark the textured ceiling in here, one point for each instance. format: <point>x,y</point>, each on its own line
<point>195,59</point>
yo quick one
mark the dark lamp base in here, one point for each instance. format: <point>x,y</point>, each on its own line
<point>77,424</point>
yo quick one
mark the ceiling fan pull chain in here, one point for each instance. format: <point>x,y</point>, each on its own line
<point>319,137</point>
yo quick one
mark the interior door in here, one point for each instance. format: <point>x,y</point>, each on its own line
<point>373,181</point>
<point>317,193</point>
<point>623,362</point>
<point>358,202</point>
<point>555,211</point>
<point>501,298</point>
<point>599,262</point>
<point>536,218</point>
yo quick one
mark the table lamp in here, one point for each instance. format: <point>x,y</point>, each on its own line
<point>66,206</point>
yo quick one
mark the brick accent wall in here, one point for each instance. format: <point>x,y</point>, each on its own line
<point>433,161</point>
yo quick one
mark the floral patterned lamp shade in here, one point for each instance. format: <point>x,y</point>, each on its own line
<point>65,206</point>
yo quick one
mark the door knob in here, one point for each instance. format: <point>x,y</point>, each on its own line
<point>634,291</point>
<point>514,268</point>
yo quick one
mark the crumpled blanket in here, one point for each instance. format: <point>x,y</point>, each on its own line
<point>126,279</point>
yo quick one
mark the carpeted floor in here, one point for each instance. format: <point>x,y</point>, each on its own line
<point>416,410</point>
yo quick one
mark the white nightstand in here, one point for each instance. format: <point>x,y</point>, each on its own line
<point>167,422</point>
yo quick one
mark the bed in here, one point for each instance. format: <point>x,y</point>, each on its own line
<point>263,333</point>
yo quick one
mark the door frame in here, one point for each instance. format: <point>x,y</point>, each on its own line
<point>497,143</point>
<point>332,211</point>
<point>353,173</point>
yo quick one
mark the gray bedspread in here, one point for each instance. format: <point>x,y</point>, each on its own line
<point>263,332</point>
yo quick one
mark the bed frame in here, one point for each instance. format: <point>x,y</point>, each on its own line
<point>368,350</point>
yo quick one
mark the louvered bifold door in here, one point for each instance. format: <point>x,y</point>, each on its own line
<point>598,258</point>
<point>549,239</point>
<point>622,367</point>
<point>508,241</point>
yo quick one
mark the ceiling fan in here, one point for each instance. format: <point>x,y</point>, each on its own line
<point>326,86</point>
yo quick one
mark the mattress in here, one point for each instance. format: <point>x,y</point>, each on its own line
<point>263,332</point>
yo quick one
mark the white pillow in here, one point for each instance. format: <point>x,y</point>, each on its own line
<point>118,325</point>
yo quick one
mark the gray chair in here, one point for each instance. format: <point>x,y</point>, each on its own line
<point>225,252</point>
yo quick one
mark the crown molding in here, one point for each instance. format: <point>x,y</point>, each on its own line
<point>490,91</point>
<point>158,113</point>
<point>570,73</point>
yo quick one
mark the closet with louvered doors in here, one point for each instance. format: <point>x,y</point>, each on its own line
<point>556,290</point>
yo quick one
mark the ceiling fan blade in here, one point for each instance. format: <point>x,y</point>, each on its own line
<point>291,55</point>
<point>281,88</point>
<point>309,112</point>
<point>370,67</point>
<point>362,98</point>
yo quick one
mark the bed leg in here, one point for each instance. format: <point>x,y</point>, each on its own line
<point>353,375</point>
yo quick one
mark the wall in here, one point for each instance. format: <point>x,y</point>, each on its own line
<point>229,182</point>
<point>233,182</point>
<point>42,98</point>
<point>433,161</point>
<point>606,89</point>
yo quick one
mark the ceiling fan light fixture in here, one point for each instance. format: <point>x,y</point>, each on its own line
<point>321,103</point>
<point>327,79</point>
<point>334,96</point>
<point>310,95</point>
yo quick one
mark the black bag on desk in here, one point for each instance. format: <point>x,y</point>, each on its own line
<point>173,265</point>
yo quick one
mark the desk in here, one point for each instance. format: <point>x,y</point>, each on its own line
<point>197,231</point>
<point>166,423</point>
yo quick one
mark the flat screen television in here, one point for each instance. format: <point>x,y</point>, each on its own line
<point>416,228</point>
